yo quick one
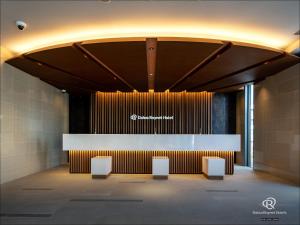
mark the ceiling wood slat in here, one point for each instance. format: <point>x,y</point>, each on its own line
<point>67,87</point>
<point>202,86</point>
<point>177,65</point>
<point>40,63</point>
<point>128,59</point>
<point>202,64</point>
<point>233,85</point>
<point>255,74</point>
<point>100,63</point>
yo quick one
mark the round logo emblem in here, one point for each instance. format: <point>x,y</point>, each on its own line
<point>133,117</point>
<point>269,203</point>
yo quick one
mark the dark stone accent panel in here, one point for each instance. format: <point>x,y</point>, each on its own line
<point>224,113</point>
<point>79,114</point>
<point>240,126</point>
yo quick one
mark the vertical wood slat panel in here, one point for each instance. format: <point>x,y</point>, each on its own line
<point>110,112</point>
<point>182,162</point>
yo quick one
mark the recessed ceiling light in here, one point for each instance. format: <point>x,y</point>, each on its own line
<point>63,91</point>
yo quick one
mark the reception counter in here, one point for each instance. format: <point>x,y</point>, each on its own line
<point>132,153</point>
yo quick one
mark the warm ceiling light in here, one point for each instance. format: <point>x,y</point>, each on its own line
<point>202,31</point>
<point>293,46</point>
<point>151,90</point>
<point>135,91</point>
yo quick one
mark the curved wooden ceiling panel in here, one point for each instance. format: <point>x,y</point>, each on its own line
<point>53,75</point>
<point>180,65</point>
<point>232,60</point>
<point>175,59</point>
<point>253,75</point>
<point>127,59</point>
<point>74,62</point>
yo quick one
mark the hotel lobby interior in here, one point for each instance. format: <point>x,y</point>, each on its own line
<point>150,112</point>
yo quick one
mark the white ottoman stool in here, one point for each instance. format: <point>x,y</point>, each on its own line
<point>213,167</point>
<point>160,167</point>
<point>101,166</point>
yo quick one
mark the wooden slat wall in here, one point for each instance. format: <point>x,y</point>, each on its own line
<point>141,161</point>
<point>110,112</point>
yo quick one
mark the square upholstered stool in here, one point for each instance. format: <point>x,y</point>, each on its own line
<point>213,167</point>
<point>160,167</point>
<point>101,166</point>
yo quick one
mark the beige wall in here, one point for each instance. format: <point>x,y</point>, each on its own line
<point>33,117</point>
<point>276,124</point>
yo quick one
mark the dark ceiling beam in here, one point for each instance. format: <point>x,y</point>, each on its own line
<point>40,63</point>
<point>92,57</point>
<point>151,49</point>
<point>203,63</point>
<point>66,86</point>
<point>236,85</point>
<point>264,62</point>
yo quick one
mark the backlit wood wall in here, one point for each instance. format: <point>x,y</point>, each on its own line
<point>141,161</point>
<point>110,112</point>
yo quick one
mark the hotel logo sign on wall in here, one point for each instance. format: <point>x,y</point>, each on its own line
<point>138,117</point>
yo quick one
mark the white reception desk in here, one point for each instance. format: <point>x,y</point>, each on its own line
<point>152,142</point>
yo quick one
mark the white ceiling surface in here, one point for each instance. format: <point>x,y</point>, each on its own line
<point>277,20</point>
